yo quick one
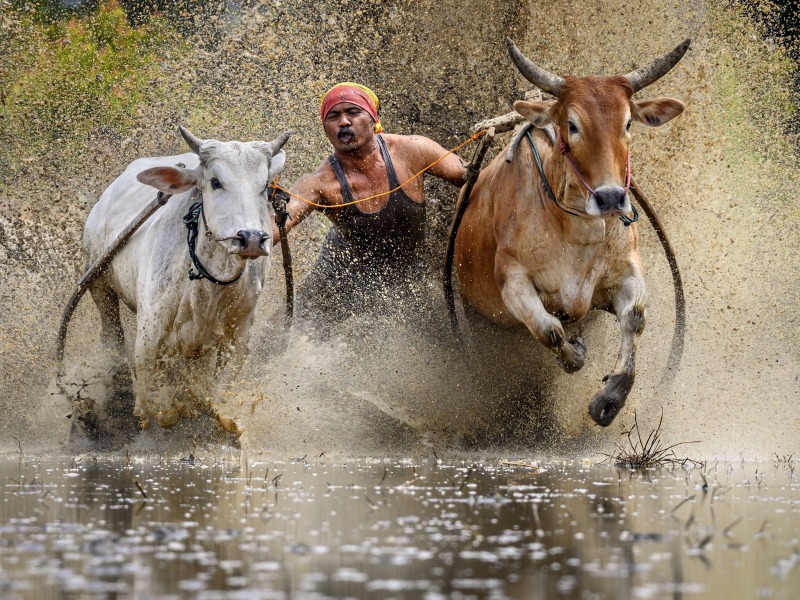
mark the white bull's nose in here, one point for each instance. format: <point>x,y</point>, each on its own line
<point>251,243</point>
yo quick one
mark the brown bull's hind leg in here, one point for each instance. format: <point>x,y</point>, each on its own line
<point>630,309</point>
<point>522,299</point>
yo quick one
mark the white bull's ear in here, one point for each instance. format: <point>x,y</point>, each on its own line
<point>654,113</point>
<point>537,112</point>
<point>276,164</point>
<point>170,180</point>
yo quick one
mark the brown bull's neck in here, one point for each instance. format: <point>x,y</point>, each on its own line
<point>555,171</point>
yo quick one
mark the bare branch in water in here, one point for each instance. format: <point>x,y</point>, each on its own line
<point>651,452</point>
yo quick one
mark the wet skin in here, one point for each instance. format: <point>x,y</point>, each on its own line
<point>351,132</point>
<point>522,260</point>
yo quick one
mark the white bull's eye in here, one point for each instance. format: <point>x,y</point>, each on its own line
<point>215,184</point>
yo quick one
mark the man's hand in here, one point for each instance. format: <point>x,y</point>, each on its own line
<point>279,201</point>
<point>295,210</point>
<point>272,193</point>
<point>278,198</point>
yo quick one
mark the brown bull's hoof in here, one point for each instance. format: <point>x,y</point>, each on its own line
<point>572,355</point>
<point>611,398</point>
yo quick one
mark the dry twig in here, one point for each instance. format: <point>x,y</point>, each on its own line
<point>651,452</point>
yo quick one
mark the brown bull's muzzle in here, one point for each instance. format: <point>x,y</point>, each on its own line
<point>250,243</point>
<point>609,202</point>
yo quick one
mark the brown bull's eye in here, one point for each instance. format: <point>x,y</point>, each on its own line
<point>215,184</point>
<point>628,126</point>
<point>572,127</point>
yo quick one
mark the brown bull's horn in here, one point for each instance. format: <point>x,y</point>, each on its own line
<point>545,81</point>
<point>278,142</point>
<point>641,78</point>
<point>194,142</point>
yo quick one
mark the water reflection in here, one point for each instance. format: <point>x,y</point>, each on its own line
<point>386,529</point>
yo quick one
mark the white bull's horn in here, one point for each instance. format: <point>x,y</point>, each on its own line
<point>194,142</point>
<point>641,78</point>
<point>278,142</point>
<point>545,81</point>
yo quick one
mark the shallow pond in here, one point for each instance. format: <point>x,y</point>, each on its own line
<point>312,528</point>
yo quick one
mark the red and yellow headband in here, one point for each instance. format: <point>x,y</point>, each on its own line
<point>353,93</point>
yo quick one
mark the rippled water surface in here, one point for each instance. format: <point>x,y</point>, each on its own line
<point>312,528</point>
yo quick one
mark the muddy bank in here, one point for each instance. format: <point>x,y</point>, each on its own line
<point>723,177</point>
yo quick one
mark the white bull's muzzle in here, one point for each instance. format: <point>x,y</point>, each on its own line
<point>250,243</point>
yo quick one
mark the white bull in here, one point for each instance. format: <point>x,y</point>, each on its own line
<point>179,320</point>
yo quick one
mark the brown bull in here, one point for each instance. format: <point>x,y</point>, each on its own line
<point>528,256</point>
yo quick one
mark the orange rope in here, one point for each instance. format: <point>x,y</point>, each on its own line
<point>473,138</point>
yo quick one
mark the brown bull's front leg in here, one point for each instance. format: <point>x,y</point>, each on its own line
<point>522,300</point>
<point>629,306</point>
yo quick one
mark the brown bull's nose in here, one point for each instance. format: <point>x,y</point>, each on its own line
<point>611,198</point>
<point>252,242</point>
<point>611,201</point>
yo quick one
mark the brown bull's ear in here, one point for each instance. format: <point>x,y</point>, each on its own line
<point>537,113</point>
<point>170,180</point>
<point>654,113</point>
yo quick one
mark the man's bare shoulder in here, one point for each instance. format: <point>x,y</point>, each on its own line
<point>405,142</point>
<point>320,182</point>
<point>412,148</point>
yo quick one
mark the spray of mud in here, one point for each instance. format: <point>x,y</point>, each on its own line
<point>723,177</point>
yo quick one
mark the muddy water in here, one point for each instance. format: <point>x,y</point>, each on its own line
<point>315,528</point>
<point>723,176</point>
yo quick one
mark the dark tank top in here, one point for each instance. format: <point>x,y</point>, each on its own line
<point>387,238</point>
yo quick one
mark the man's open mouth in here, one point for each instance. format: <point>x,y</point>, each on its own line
<point>346,135</point>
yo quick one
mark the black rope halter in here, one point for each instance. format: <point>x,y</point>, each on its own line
<point>192,220</point>
<point>624,218</point>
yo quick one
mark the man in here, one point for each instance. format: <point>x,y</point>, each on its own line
<point>372,244</point>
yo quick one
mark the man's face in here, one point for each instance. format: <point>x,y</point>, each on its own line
<point>348,127</point>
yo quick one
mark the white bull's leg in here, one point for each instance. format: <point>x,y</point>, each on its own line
<point>107,303</point>
<point>153,397</point>
<point>102,408</point>
<point>521,298</point>
<point>146,364</point>
<point>629,306</point>
<point>231,355</point>
<point>232,351</point>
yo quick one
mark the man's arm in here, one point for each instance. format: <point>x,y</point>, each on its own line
<point>306,187</point>
<point>450,168</point>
